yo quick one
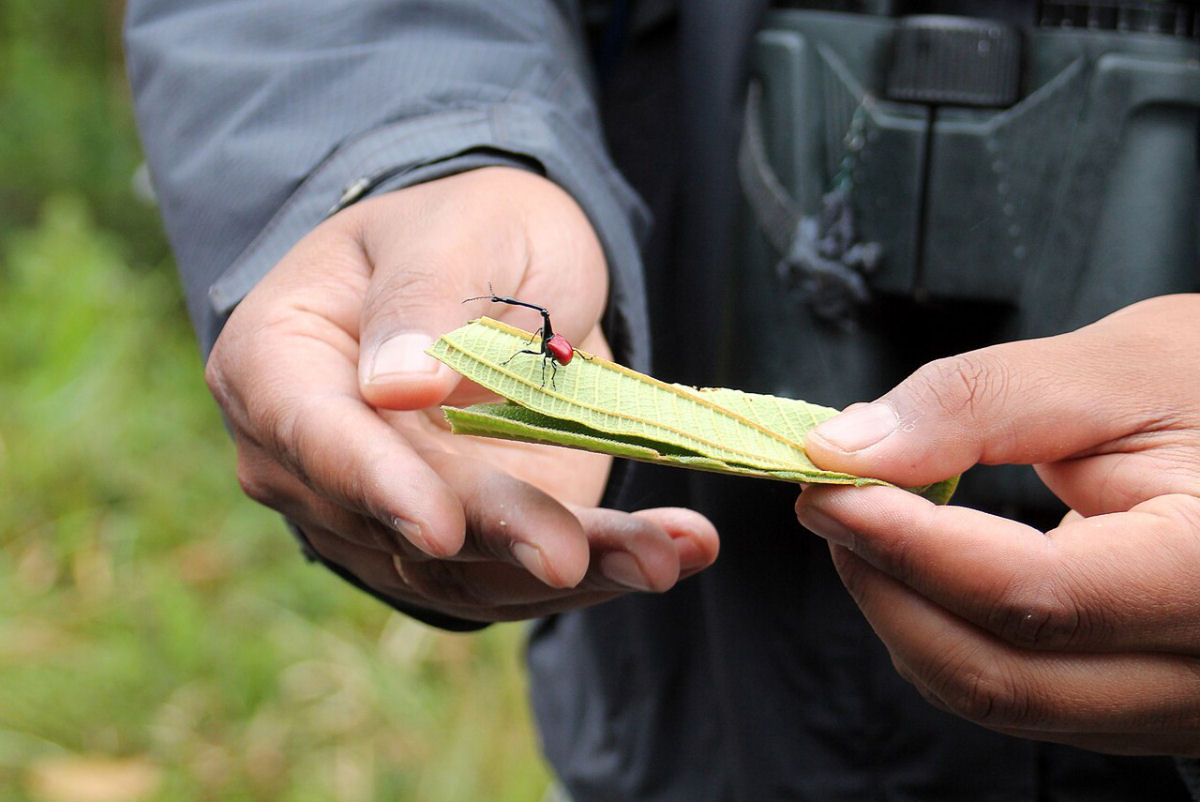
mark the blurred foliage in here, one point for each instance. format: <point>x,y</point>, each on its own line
<point>67,119</point>
<point>160,638</point>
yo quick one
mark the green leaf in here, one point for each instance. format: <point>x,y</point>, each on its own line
<point>598,405</point>
<point>513,422</point>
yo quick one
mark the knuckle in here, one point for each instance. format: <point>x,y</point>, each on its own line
<point>903,557</point>
<point>277,426</point>
<point>217,380</point>
<point>254,483</point>
<point>359,483</point>
<point>980,697</point>
<point>980,690</point>
<point>1041,616</point>
<point>1029,616</point>
<point>293,434</point>
<point>961,385</point>
<point>418,284</point>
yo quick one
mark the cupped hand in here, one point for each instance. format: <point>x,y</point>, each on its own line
<point>334,406</point>
<point>1088,634</point>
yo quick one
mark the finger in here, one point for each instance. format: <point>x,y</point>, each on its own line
<point>425,246</point>
<point>1052,695</point>
<point>664,543</point>
<point>373,567</point>
<point>1024,402</point>
<point>271,485</point>
<point>696,541</point>
<point>486,588</point>
<point>284,372</point>
<point>513,522</point>
<point>646,551</point>
<point>412,300</point>
<point>458,589</point>
<point>1107,583</point>
<point>1162,463</point>
<point>344,452</point>
<point>510,521</point>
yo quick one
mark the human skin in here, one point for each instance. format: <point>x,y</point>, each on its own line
<point>335,409</point>
<point>1088,634</point>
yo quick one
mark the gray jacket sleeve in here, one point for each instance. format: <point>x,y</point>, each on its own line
<point>259,117</point>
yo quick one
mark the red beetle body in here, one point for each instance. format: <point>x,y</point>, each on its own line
<point>559,349</point>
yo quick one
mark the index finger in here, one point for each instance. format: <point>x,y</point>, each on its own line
<point>285,374</point>
<point>1111,701</point>
<point>1111,582</point>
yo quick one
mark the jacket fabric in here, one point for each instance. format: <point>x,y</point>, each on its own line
<point>758,679</point>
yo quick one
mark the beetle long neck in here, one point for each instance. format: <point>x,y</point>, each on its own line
<point>547,331</point>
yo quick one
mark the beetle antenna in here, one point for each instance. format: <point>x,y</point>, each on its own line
<point>493,297</point>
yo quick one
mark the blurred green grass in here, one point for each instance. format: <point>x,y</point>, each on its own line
<point>160,637</point>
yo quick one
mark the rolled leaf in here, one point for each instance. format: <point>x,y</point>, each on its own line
<point>597,405</point>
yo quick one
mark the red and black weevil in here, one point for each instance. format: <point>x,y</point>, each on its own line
<point>554,348</point>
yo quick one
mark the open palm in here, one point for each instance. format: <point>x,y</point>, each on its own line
<point>335,408</point>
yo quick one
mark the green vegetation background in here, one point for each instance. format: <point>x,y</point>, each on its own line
<point>160,637</point>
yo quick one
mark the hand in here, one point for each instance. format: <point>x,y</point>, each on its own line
<point>1088,634</point>
<point>334,406</point>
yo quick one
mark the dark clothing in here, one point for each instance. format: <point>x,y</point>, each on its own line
<point>756,680</point>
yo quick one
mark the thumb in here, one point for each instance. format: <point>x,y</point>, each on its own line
<point>398,374</point>
<point>403,314</point>
<point>426,245</point>
<point>433,245</point>
<point>1027,402</point>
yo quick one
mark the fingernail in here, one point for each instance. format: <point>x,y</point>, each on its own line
<point>412,533</point>
<point>530,557</point>
<point>399,565</point>
<point>623,569</point>
<point>861,427</point>
<point>828,528</point>
<point>692,556</point>
<point>403,354</point>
